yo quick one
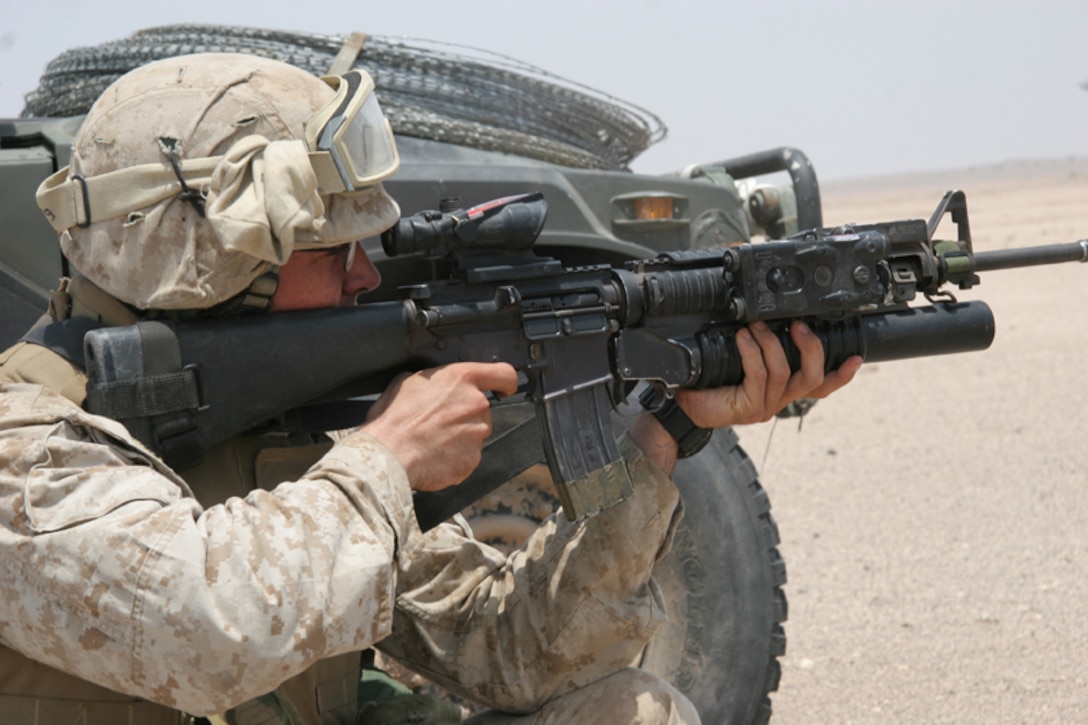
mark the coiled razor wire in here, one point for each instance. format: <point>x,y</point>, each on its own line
<point>491,102</point>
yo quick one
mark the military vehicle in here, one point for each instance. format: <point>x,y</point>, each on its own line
<point>476,129</point>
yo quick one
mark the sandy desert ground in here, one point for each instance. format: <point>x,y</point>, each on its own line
<point>934,514</point>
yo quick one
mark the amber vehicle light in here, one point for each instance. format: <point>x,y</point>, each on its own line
<point>653,207</point>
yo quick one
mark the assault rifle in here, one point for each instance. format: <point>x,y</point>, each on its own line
<point>581,337</point>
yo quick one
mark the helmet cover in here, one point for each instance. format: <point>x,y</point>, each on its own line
<point>262,200</point>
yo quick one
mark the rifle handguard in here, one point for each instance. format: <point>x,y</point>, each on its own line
<point>689,437</point>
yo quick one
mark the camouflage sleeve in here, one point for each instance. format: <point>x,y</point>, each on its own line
<point>574,604</point>
<point>114,574</point>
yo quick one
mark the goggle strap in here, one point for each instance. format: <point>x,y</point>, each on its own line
<point>329,180</point>
<point>78,201</point>
<point>349,52</point>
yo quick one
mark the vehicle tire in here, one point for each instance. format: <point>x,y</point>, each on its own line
<point>721,580</point>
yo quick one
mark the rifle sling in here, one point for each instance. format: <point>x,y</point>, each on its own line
<point>504,457</point>
<point>165,387</point>
<point>65,338</point>
<point>324,417</point>
<point>145,397</point>
<point>157,405</point>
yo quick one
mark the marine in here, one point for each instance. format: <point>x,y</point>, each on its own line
<point>250,588</point>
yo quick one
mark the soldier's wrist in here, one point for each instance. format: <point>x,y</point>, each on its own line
<point>690,438</point>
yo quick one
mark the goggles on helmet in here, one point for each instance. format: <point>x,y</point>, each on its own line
<point>353,133</point>
<point>350,143</point>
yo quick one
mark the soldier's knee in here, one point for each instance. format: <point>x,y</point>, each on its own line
<point>657,701</point>
<point>624,698</point>
<point>628,697</point>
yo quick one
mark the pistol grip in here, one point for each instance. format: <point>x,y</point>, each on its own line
<point>589,472</point>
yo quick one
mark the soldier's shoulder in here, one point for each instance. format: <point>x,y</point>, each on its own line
<point>32,399</point>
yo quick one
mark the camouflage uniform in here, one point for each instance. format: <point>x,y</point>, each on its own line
<point>126,580</point>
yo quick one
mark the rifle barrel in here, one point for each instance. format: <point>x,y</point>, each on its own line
<point>1031,256</point>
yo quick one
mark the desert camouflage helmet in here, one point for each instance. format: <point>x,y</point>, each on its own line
<point>220,182</point>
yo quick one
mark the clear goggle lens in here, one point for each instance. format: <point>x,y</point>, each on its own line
<point>368,142</point>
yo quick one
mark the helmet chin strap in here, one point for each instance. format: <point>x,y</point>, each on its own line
<point>255,298</point>
<point>79,297</point>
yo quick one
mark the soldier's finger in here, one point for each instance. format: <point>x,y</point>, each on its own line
<point>499,378</point>
<point>776,364</point>
<point>811,374</point>
<point>837,378</point>
<point>752,390</point>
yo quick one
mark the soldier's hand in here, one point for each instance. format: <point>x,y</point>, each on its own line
<point>768,387</point>
<point>435,421</point>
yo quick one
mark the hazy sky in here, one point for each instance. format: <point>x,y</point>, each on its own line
<point>863,88</point>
